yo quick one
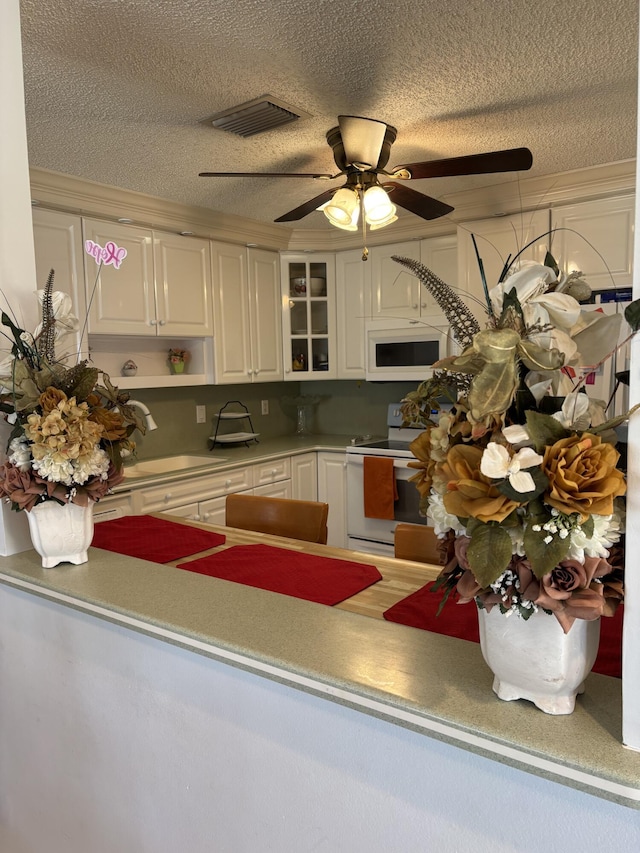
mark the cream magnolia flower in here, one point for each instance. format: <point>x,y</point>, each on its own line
<point>575,412</point>
<point>498,464</point>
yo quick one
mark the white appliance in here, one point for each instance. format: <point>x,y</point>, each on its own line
<point>400,350</point>
<point>375,535</point>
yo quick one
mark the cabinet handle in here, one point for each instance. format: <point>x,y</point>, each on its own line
<point>287,370</point>
<point>152,322</point>
<point>249,372</point>
<point>204,517</point>
<point>162,323</point>
<point>423,304</point>
<point>167,497</point>
<point>415,305</point>
<point>256,372</point>
<point>227,482</point>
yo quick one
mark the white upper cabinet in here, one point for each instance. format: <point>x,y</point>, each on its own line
<point>596,237</point>
<point>440,255</point>
<point>497,239</point>
<point>161,288</point>
<point>58,246</point>
<point>395,292</point>
<point>308,319</point>
<point>247,312</point>
<point>353,307</point>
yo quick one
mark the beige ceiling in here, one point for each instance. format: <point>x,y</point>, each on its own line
<point>115,89</point>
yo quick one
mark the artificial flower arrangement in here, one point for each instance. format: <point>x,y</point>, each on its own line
<point>519,475</point>
<point>177,356</point>
<point>69,433</point>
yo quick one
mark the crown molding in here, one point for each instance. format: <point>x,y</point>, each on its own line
<point>89,198</point>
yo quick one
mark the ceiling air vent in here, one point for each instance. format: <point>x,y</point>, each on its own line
<point>264,113</point>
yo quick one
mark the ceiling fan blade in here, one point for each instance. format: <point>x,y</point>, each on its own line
<point>306,208</point>
<point>325,177</point>
<point>362,139</point>
<point>510,160</point>
<point>421,205</point>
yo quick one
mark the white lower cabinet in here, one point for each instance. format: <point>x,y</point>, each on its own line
<point>332,489</point>
<point>304,477</point>
<point>113,506</point>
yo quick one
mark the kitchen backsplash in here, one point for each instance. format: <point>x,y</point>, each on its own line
<point>345,408</point>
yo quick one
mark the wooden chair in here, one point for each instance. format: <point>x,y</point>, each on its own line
<point>305,520</point>
<point>416,542</point>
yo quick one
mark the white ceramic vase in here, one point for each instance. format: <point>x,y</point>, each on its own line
<point>534,659</point>
<point>61,533</point>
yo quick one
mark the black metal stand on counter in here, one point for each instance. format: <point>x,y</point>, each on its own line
<point>233,437</point>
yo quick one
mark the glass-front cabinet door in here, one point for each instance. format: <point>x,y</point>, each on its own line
<point>308,290</point>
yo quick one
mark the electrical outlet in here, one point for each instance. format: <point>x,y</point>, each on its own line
<point>201,414</point>
<point>265,407</point>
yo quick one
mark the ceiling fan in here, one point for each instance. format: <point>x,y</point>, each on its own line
<point>361,148</point>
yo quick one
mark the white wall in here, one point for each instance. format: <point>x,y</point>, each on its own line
<point>113,741</point>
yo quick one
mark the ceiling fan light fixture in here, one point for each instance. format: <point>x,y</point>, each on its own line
<point>343,208</point>
<point>384,224</point>
<point>378,209</point>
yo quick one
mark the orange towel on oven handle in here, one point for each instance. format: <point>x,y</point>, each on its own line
<point>379,486</point>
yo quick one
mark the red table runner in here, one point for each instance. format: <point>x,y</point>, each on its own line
<point>324,580</point>
<point>154,539</point>
<point>419,609</point>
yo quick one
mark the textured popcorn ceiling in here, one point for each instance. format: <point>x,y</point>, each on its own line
<point>115,88</point>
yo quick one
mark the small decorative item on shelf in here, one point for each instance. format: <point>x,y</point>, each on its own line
<point>129,368</point>
<point>68,437</point>
<point>299,362</point>
<point>177,360</point>
<point>520,477</point>
<point>233,414</point>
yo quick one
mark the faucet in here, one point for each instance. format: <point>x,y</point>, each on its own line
<point>151,424</point>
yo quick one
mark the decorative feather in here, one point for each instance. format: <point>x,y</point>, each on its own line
<point>47,337</point>
<point>463,324</point>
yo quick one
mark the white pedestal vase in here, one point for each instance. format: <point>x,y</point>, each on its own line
<point>536,660</point>
<point>61,533</point>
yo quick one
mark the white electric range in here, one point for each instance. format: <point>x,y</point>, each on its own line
<point>375,535</point>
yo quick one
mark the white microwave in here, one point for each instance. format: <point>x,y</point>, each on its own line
<point>404,350</point>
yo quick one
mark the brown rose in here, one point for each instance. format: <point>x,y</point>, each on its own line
<point>20,487</point>
<point>469,493</point>
<point>50,398</point>
<point>421,449</point>
<point>111,422</point>
<point>582,474</point>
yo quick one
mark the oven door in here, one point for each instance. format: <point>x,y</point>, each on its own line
<point>377,530</point>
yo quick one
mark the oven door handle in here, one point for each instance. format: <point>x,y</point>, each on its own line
<point>358,459</point>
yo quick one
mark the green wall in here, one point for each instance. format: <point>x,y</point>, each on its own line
<point>345,408</point>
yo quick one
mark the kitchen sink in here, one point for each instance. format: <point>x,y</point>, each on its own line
<point>169,465</point>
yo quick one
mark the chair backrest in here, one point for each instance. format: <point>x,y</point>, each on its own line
<point>306,520</point>
<point>416,542</point>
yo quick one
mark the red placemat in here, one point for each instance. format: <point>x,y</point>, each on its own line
<point>418,610</point>
<point>154,539</point>
<point>321,579</point>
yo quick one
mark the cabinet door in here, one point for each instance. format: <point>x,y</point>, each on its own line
<point>304,477</point>
<point>121,300</point>
<point>58,246</point>
<point>213,511</point>
<point>394,290</point>
<point>231,318</point>
<point>275,490</point>
<point>265,306</point>
<point>497,239</point>
<point>596,237</point>
<point>440,255</point>
<point>352,308</point>
<point>332,489</point>
<point>190,511</point>
<point>182,267</point>
<point>309,333</point>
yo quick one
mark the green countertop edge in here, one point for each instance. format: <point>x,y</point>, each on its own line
<point>432,684</point>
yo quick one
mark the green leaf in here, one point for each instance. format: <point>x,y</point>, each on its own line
<point>540,480</point>
<point>587,526</point>
<point>489,552</point>
<point>612,423</point>
<point>544,556</point>
<point>544,430</point>
<point>631,314</point>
